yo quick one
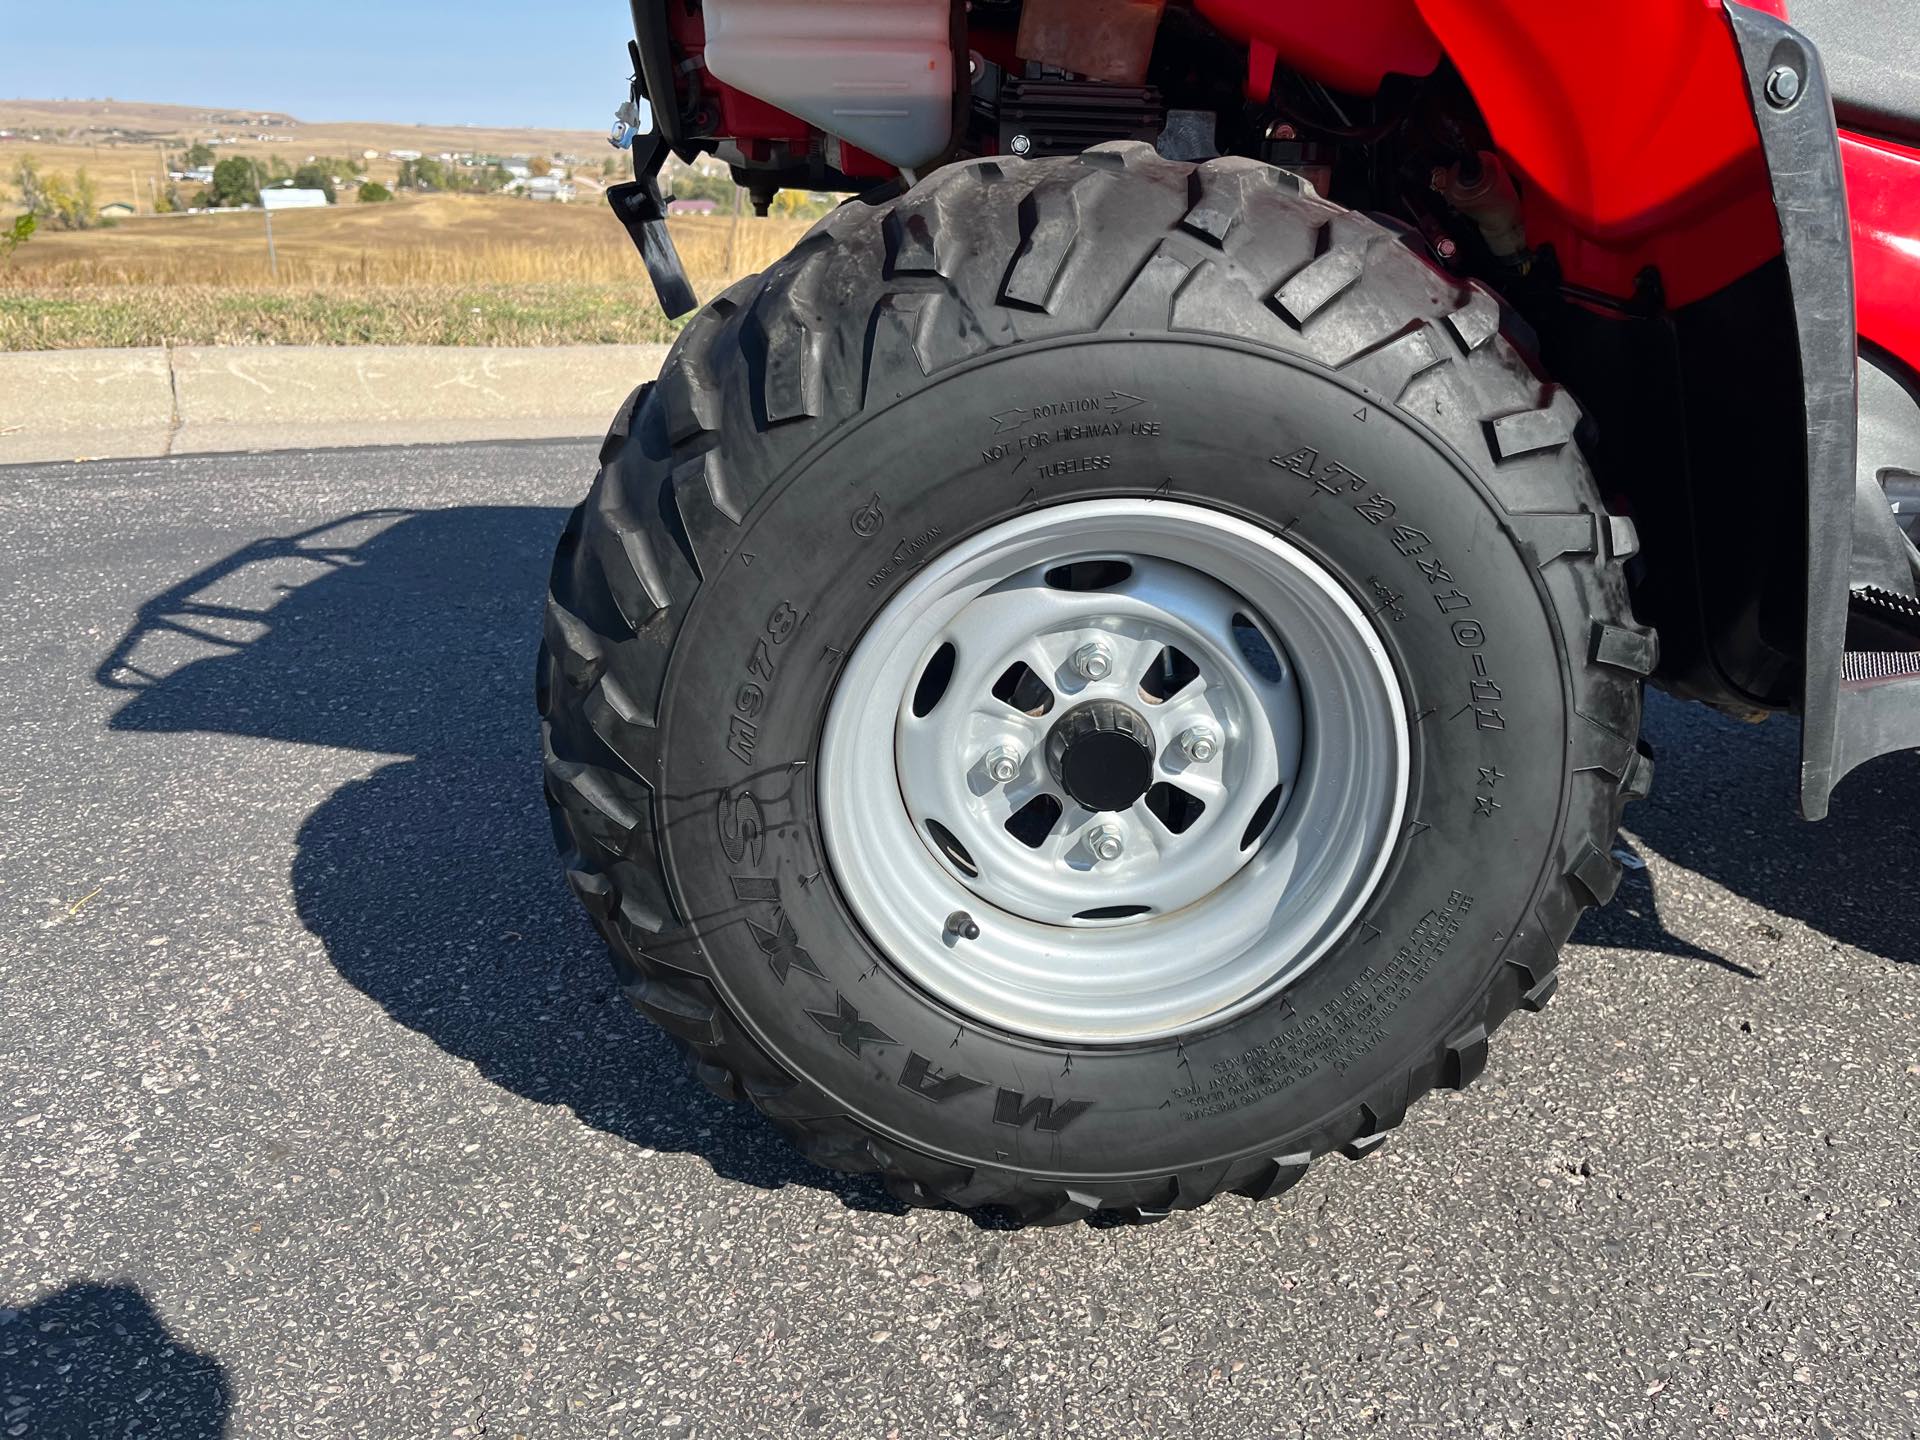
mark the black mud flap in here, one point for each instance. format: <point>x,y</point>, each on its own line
<point>643,210</point>
<point>1856,704</point>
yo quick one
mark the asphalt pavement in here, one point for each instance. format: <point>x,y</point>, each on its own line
<point>322,1116</point>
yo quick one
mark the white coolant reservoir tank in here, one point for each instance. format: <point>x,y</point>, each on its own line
<point>876,73</point>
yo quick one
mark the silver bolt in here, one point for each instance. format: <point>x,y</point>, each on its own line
<point>1093,662</point>
<point>1107,843</point>
<point>1201,744</point>
<point>1022,144</point>
<point>1783,86</point>
<point>1003,764</point>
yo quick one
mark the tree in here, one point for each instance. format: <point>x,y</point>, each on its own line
<point>799,205</point>
<point>372,192</point>
<point>317,175</point>
<point>278,169</point>
<point>54,199</point>
<point>691,184</point>
<point>198,155</point>
<point>236,181</point>
<point>17,234</point>
<point>33,192</point>
<point>540,165</point>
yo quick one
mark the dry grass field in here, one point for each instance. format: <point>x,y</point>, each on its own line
<point>431,269</point>
<point>423,269</point>
<point>417,239</point>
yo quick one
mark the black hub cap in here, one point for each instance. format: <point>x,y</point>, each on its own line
<point>1102,755</point>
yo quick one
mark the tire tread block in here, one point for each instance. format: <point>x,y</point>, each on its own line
<point>1338,263</point>
<point>1389,367</point>
<point>1527,432</point>
<point>1050,226</point>
<point>1623,647</point>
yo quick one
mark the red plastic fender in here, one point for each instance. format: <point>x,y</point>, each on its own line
<point>1883,201</point>
<point>1627,123</point>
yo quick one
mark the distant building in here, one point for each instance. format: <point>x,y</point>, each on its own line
<point>691,207</point>
<point>289,199</point>
<point>518,169</point>
<point>550,187</point>
<point>403,154</point>
<point>116,210</point>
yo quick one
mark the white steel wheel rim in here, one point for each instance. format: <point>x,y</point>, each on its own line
<point>1216,899</point>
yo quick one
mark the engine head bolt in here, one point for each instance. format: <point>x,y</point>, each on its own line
<point>1003,763</point>
<point>1201,744</point>
<point>1093,661</point>
<point>1107,843</point>
<point>1783,86</point>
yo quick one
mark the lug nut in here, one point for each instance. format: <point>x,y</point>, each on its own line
<point>1201,744</point>
<point>1107,843</point>
<point>1093,662</point>
<point>1003,764</point>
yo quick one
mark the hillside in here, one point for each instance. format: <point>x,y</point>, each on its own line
<point>124,143</point>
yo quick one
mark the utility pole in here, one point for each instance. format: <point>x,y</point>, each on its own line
<point>273,262</point>
<point>733,234</point>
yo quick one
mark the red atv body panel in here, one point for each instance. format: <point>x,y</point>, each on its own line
<point>1629,123</point>
<point>1883,202</point>
<point>1630,127</point>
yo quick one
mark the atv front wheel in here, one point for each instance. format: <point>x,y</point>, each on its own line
<point>1090,684</point>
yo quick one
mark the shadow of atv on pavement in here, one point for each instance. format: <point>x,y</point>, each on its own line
<point>1723,806</point>
<point>433,883</point>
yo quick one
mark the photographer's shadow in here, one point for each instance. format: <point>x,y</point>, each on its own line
<point>433,882</point>
<point>95,1360</point>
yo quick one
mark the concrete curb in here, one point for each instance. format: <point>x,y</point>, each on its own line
<point>97,404</point>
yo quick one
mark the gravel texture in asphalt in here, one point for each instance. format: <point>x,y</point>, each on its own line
<point>323,1117</point>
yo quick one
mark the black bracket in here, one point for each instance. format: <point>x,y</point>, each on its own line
<point>643,210</point>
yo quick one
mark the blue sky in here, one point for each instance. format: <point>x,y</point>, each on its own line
<point>486,62</point>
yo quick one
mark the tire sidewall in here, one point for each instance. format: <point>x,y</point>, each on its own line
<point>1398,518</point>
